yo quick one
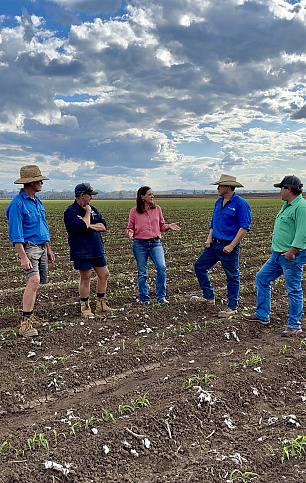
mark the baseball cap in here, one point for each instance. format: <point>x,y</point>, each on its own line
<point>289,181</point>
<point>84,188</point>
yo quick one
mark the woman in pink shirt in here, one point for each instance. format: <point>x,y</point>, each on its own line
<point>146,222</point>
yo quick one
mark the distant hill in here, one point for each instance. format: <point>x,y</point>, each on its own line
<point>126,194</point>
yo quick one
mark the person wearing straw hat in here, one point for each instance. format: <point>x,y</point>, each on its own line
<point>230,222</point>
<point>287,259</point>
<point>29,233</point>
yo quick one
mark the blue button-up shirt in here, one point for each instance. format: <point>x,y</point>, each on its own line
<point>227,220</point>
<point>27,220</point>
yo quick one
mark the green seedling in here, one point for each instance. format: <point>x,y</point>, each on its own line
<point>190,326</point>
<point>123,344</point>
<point>294,447</point>
<point>284,349</point>
<point>62,359</point>
<point>57,271</point>
<point>43,442</point>
<point>39,366</point>
<point>125,408</point>
<point>7,310</point>
<point>137,342</point>
<point>253,361</point>
<point>241,477</point>
<point>302,343</point>
<point>56,326</point>
<point>104,349</point>
<point>19,451</point>
<point>140,402</point>
<point>32,441</point>
<point>88,422</point>
<point>196,380</point>
<point>2,445</point>
<point>107,416</point>
<point>57,435</point>
<point>160,335</point>
<point>234,366</point>
<point>73,428</point>
<point>8,334</point>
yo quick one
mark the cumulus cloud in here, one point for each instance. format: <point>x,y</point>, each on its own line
<point>128,92</point>
<point>91,7</point>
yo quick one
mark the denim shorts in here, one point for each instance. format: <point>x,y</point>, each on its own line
<point>88,263</point>
<point>37,254</point>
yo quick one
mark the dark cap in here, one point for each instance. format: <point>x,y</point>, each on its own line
<point>290,181</point>
<point>84,188</point>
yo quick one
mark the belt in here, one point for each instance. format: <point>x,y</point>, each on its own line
<point>148,239</point>
<point>218,240</point>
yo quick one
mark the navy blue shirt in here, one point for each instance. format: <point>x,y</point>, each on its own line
<point>84,243</point>
<point>227,220</point>
<point>27,220</point>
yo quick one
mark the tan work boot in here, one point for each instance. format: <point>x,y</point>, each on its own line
<point>35,321</point>
<point>224,314</point>
<point>103,307</point>
<point>85,309</point>
<point>26,328</point>
<point>195,298</point>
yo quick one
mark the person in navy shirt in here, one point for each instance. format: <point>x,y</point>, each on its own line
<point>84,225</point>
<point>29,233</point>
<point>230,222</point>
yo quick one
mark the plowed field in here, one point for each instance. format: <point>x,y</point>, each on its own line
<point>150,394</point>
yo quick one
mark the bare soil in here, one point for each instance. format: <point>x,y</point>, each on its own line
<point>149,394</point>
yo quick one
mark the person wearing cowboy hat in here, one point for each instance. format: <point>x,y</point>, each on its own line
<point>287,259</point>
<point>84,225</point>
<point>29,233</point>
<point>230,222</point>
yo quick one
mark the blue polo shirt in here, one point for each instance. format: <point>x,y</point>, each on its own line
<point>84,243</point>
<point>27,220</point>
<point>226,221</point>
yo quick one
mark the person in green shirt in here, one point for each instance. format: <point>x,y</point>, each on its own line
<point>287,259</point>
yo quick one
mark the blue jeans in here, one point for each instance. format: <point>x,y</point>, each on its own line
<point>230,263</point>
<point>153,249</point>
<point>292,270</point>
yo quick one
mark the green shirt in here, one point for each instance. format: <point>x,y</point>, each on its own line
<point>290,226</point>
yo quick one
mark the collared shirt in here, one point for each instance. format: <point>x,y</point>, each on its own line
<point>227,220</point>
<point>27,220</point>
<point>84,243</point>
<point>147,225</point>
<point>290,226</point>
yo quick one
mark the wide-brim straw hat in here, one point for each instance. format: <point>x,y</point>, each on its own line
<point>30,174</point>
<point>226,180</point>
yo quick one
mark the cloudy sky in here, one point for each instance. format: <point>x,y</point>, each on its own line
<point>168,93</point>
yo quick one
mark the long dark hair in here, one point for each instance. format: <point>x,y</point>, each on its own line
<point>139,201</point>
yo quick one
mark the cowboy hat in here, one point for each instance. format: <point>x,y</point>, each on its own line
<point>29,174</point>
<point>226,180</point>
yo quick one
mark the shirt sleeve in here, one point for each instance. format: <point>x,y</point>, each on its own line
<point>162,223</point>
<point>299,240</point>
<point>72,222</point>
<point>97,218</point>
<point>244,214</point>
<point>14,216</point>
<point>131,222</point>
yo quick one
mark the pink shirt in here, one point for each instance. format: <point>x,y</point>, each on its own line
<point>148,224</point>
